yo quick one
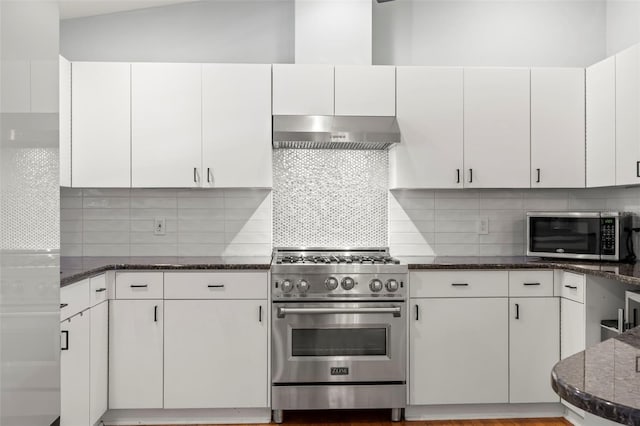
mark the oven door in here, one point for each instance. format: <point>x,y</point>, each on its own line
<point>568,235</point>
<point>338,342</point>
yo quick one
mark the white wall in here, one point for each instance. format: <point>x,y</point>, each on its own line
<point>239,31</point>
<point>623,24</point>
<point>489,33</point>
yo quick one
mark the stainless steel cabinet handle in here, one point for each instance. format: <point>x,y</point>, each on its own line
<point>209,176</point>
<point>139,285</point>
<point>100,290</point>
<point>417,313</point>
<point>459,284</point>
<point>282,312</point>
<point>531,283</point>
<point>155,313</point>
<point>216,286</point>
<point>517,311</point>
<point>637,168</point>
<point>538,178</point>
<point>260,314</point>
<point>458,174</point>
<point>470,175</point>
<point>66,340</point>
<point>572,287</point>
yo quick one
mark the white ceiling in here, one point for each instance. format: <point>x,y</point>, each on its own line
<point>79,8</point>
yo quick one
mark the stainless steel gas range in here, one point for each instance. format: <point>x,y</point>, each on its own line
<point>339,330</point>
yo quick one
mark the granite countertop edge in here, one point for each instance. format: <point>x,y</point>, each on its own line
<point>592,403</point>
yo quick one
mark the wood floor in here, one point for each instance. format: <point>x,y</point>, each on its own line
<point>381,418</point>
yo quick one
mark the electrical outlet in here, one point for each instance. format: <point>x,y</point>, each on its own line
<point>483,226</point>
<point>159,225</point>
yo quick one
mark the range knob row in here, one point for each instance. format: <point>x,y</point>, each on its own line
<point>287,286</point>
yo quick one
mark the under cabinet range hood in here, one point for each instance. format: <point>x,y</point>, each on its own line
<point>334,132</point>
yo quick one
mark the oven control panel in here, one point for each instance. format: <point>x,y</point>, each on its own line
<point>336,285</point>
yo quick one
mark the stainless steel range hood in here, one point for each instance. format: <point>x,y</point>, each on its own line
<point>334,132</point>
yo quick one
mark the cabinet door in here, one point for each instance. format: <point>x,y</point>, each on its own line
<point>464,360</point>
<point>65,121</point>
<point>601,123</point>
<point>572,327</point>
<point>101,126</point>
<point>135,354</point>
<point>303,89</point>
<point>557,128</point>
<point>236,154</point>
<point>365,90</point>
<point>534,348</point>
<point>215,354</point>
<point>628,116</point>
<point>496,128</point>
<point>74,371</point>
<point>430,116</point>
<point>166,125</point>
<point>99,361</point>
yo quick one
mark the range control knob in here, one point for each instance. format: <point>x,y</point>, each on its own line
<point>392,285</point>
<point>331,283</point>
<point>303,286</point>
<point>375,285</point>
<point>286,286</point>
<point>348,283</point>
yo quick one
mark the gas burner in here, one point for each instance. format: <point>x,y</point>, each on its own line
<point>335,259</point>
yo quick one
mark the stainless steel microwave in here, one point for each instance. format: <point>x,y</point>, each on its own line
<point>579,235</point>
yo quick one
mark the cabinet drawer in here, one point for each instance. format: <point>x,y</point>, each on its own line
<point>459,284</point>
<point>98,289</point>
<point>216,285</point>
<point>139,285</point>
<point>74,298</point>
<point>572,286</point>
<point>530,283</point>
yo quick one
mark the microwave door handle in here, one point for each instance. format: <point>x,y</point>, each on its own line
<point>282,312</point>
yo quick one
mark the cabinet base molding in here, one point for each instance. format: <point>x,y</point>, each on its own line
<point>483,411</point>
<point>187,417</point>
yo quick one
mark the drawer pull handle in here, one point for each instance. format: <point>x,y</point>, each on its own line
<point>531,283</point>
<point>459,284</point>
<point>470,175</point>
<point>63,305</point>
<point>216,286</point>
<point>139,285</point>
<point>100,290</point>
<point>572,287</point>
<point>458,174</point>
<point>260,314</point>
<point>417,313</point>
<point>517,311</point>
<point>155,313</point>
<point>66,340</point>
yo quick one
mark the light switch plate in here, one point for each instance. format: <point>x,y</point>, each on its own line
<point>483,226</point>
<point>159,226</point>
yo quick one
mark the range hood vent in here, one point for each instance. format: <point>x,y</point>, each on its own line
<point>334,132</point>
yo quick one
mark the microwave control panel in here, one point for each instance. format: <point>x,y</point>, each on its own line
<point>608,236</point>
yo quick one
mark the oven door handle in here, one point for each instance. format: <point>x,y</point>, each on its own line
<point>282,312</point>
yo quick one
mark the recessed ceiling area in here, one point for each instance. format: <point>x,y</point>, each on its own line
<point>80,8</point>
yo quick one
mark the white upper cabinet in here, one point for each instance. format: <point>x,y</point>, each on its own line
<point>29,86</point>
<point>236,126</point>
<point>430,116</point>
<point>628,116</point>
<point>65,121</point>
<point>166,125</point>
<point>557,128</point>
<point>601,123</point>
<point>303,89</point>
<point>497,127</point>
<point>101,132</point>
<point>365,90</point>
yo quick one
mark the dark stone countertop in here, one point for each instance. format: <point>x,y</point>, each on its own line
<point>623,272</point>
<point>73,269</point>
<point>604,379</point>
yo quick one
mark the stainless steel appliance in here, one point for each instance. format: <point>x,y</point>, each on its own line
<point>580,235</point>
<point>339,330</point>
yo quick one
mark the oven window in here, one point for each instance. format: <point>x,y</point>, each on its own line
<point>564,235</point>
<point>338,341</point>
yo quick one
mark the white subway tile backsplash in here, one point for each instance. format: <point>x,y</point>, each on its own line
<point>201,238</point>
<point>457,203</point>
<point>105,214</point>
<point>154,250</point>
<point>153,213</point>
<point>106,237</point>
<point>105,202</point>
<point>203,225</point>
<point>201,249</point>
<point>456,249</point>
<point>150,238</point>
<point>71,203</point>
<point>200,203</point>
<point>106,192</point>
<point>105,249</point>
<point>105,226</point>
<point>466,238</point>
<point>501,204</point>
<point>154,203</point>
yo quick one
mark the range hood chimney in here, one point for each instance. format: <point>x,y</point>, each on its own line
<point>334,32</point>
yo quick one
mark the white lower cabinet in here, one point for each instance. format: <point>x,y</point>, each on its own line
<point>74,370</point>
<point>572,327</point>
<point>99,368</point>
<point>534,348</point>
<point>459,351</point>
<point>215,353</point>
<point>135,354</point>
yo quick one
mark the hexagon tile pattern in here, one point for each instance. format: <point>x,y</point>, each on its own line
<point>330,198</point>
